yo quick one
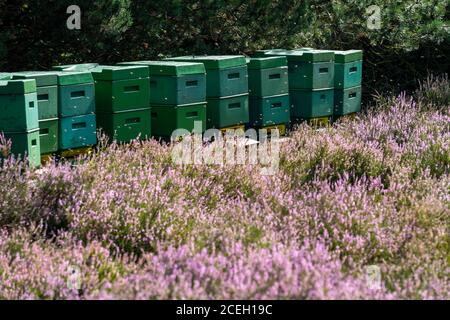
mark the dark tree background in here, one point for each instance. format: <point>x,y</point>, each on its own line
<point>414,37</point>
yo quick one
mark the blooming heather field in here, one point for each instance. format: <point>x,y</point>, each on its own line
<point>372,191</point>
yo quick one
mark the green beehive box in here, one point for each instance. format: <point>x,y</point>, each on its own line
<point>126,126</point>
<point>26,143</point>
<point>122,95</point>
<point>10,87</point>
<point>166,119</point>
<point>214,62</point>
<point>175,82</point>
<point>47,102</point>
<point>347,101</point>
<point>169,68</point>
<point>168,90</point>
<point>74,78</point>
<point>77,132</point>
<point>75,67</point>
<point>225,75</point>
<point>312,69</point>
<point>310,56</point>
<point>5,76</point>
<point>48,135</point>
<point>269,110</point>
<point>47,91</point>
<point>114,73</point>
<point>121,88</point>
<point>18,112</point>
<point>267,76</point>
<point>266,62</point>
<point>76,94</point>
<point>348,56</point>
<point>348,69</point>
<point>309,69</point>
<point>228,111</point>
<point>42,78</point>
<point>307,104</point>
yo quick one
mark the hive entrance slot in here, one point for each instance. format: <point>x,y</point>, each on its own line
<point>42,97</point>
<point>132,120</point>
<point>77,94</point>
<point>191,114</point>
<point>276,105</point>
<point>78,125</point>
<point>235,105</point>
<point>131,89</point>
<point>192,83</point>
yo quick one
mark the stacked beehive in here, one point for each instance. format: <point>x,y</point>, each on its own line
<point>19,118</point>
<point>226,90</point>
<point>122,96</point>
<point>47,99</point>
<point>269,93</point>
<point>76,111</point>
<point>311,83</point>
<point>178,95</point>
<point>347,82</point>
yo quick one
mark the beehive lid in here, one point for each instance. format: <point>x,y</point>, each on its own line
<point>304,55</point>
<point>5,76</point>
<point>112,73</point>
<point>169,68</point>
<point>348,56</point>
<point>71,78</point>
<point>265,52</point>
<point>17,86</point>
<point>266,62</point>
<point>75,67</point>
<point>214,62</point>
<point>275,52</point>
<point>43,78</point>
<point>310,56</point>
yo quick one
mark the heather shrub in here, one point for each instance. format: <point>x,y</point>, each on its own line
<point>36,197</point>
<point>35,268</point>
<point>372,190</point>
<point>327,155</point>
<point>434,92</point>
<point>14,190</point>
<point>276,273</point>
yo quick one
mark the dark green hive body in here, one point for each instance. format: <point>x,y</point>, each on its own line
<point>269,110</point>
<point>227,111</point>
<point>77,132</point>
<point>166,119</point>
<point>48,135</point>
<point>306,104</point>
<point>226,75</point>
<point>347,101</point>
<point>26,143</point>
<point>127,125</point>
